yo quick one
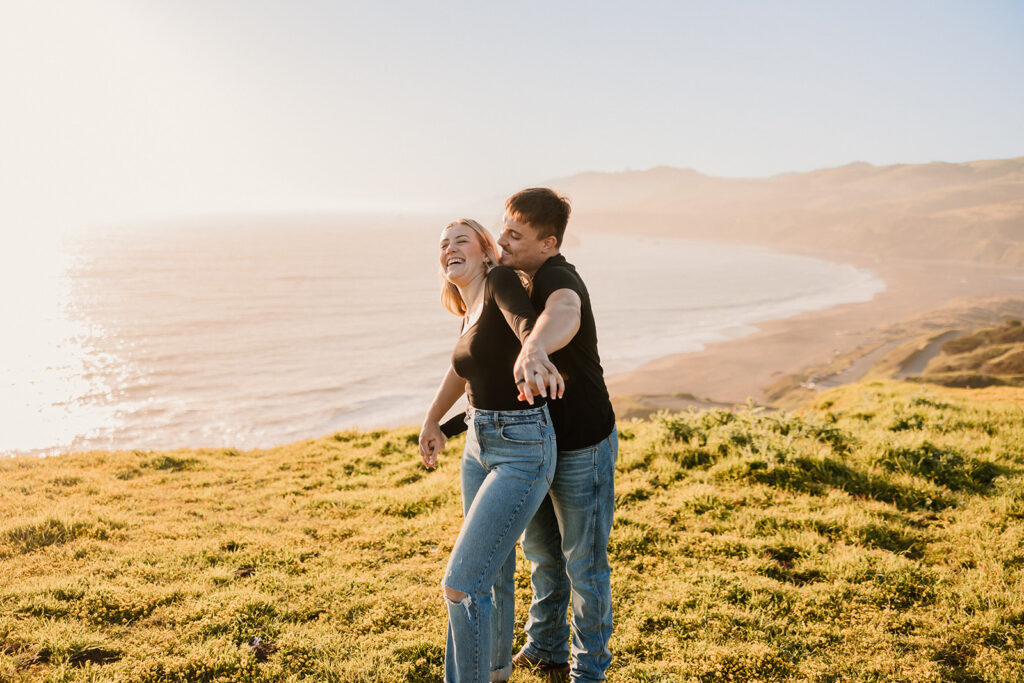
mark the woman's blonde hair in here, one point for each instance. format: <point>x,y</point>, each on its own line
<point>451,299</point>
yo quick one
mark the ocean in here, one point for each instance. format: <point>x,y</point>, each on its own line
<point>253,334</point>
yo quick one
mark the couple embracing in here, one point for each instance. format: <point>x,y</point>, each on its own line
<point>540,452</point>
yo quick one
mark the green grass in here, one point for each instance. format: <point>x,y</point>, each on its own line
<point>875,535</point>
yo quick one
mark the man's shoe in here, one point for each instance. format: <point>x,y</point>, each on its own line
<point>521,660</point>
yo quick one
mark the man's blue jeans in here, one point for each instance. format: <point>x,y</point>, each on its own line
<point>507,467</point>
<point>567,546</point>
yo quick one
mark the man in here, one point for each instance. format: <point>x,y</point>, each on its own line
<point>567,541</point>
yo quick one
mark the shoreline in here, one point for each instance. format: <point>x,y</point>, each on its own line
<point>786,361</point>
<point>920,295</point>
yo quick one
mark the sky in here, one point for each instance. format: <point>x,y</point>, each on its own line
<point>139,109</point>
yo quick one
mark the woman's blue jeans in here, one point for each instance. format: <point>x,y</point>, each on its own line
<point>507,468</point>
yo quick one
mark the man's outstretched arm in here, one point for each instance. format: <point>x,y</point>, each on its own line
<point>556,326</point>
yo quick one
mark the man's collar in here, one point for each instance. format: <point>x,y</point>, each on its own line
<point>554,260</point>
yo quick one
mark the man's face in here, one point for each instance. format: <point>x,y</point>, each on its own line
<point>521,247</point>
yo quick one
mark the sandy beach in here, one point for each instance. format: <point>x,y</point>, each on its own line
<point>822,348</point>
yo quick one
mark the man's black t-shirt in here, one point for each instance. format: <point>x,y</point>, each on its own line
<point>584,415</point>
<point>487,350</point>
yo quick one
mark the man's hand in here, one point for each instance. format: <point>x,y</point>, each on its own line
<point>432,442</point>
<point>535,374</point>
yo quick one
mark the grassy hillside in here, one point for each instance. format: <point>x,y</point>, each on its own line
<point>986,357</point>
<point>874,536</point>
<point>951,345</point>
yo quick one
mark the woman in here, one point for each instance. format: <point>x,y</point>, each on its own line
<point>509,458</point>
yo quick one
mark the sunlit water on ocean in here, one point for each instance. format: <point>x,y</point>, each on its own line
<point>255,336</point>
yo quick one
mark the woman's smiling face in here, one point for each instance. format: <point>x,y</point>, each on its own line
<point>462,255</point>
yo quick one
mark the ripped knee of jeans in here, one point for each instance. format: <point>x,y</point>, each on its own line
<point>455,597</point>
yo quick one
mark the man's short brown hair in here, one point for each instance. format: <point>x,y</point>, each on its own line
<point>543,209</point>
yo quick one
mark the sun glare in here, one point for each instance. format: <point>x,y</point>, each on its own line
<point>46,375</point>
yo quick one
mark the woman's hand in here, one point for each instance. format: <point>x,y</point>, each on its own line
<point>536,375</point>
<point>432,441</point>
<point>554,386</point>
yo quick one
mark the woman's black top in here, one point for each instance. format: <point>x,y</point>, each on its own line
<point>487,349</point>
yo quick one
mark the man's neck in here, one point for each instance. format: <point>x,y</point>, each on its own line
<point>533,272</point>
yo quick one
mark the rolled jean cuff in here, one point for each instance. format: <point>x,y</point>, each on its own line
<point>543,656</point>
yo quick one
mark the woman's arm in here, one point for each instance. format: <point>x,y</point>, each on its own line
<point>432,440</point>
<point>512,300</point>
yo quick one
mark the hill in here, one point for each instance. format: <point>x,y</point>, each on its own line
<point>993,355</point>
<point>970,211</point>
<point>874,535</point>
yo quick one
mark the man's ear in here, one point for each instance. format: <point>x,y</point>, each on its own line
<point>550,242</point>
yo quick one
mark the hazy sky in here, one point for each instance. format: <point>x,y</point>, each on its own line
<point>124,108</point>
